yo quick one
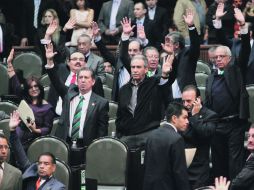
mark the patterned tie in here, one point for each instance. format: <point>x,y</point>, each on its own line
<point>38,183</point>
<point>76,119</point>
<point>73,79</point>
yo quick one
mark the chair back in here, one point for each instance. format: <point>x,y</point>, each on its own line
<point>8,107</point>
<point>48,144</point>
<point>250,90</point>
<point>203,68</point>
<point>30,63</point>
<point>111,126</point>
<point>4,127</point>
<point>109,80</point>
<point>202,92</point>
<point>201,79</point>
<point>63,173</point>
<point>4,80</point>
<point>107,92</point>
<point>112,109</point>
<point>107,163</point>
<point>44,80</point>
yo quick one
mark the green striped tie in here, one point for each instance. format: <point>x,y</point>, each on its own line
<point>76,119</point>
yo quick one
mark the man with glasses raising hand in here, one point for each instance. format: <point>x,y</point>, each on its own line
<point>227,96</point>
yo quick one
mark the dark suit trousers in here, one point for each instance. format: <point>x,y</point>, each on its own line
<point>228,149</point>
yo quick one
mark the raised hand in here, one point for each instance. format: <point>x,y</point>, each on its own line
<point>10,57</point>
<point>220,11</point>
<point>239,16</point>
<point>167,65</point>
<point>14,120</point>
<point>95,29</point>
<point>141,32</point>
<point>51,28</point>
<point>70,24</point>
<point>126,24</point>
<point>221,183</point>
<point>189,17</point>
<point>49,51</point>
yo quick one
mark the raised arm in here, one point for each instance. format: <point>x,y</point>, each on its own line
<point>52,73</point>
<point>18,150</point>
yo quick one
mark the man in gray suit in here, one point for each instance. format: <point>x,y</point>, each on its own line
<point>94,62</point>
<point>10,177</point>
<point>35,175</point>
<point>109,21</point>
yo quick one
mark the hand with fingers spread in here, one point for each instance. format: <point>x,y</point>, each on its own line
<point>70,24</point>
<point>141,32</point>
<point>49,51</point>
<point>95,29</point>
<point>221,183</point>
<point>51,29</point>
<point>220,11</point>
<point>189,17</point>
<point>14,121</point>
<point>126,24</point>
<point>239,16</point>
<point>167,65</point>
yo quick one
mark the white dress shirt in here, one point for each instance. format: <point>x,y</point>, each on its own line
<point>73,105</point>
<point>114,10</point>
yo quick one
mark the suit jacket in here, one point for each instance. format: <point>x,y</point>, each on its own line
<point>96,122</point>
<point>186,62</point>
<point>234,76</point>
<point>125,10</point>
<point>62,70</point>
<point>244,180</point>
<point>165,163</point>
<point>27,17</point>
<point>30,170</point>
<point>198,135</point>
<point>95,63</point>
<point>12,178</point>
<point>161,22</point>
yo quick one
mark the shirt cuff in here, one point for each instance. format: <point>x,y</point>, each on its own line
<point>45,42</point>
<point>217,24</point>
<point>125,37</point>
<point>163,81</point>
<point>97,38</point>
<point>192,28</point>
<point>49,66</point>
<point>244,29</point>
<point>144,42</point>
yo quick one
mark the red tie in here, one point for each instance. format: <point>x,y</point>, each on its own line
<point>38,183</point>
<point>73,79</point>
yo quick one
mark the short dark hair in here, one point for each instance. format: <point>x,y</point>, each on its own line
<point>2,136</point>
<point>192,87</point>
<point>53,158</point>
<point>252,126</point>
<point>177,37</point>
<point>174,108</point>
<point>86,69</point>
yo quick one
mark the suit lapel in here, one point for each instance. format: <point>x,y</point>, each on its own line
<point>119,14</point>
<point>6,175</point>
<point>109,9</point>
<point>90,60</point>
<point>48,185</point>
<point>91,106</point>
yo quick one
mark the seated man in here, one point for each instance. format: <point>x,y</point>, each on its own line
<point>165,163</point>
<point>10,177</point>
<point>35,176</point>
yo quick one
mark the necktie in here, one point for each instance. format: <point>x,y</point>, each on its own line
<point>76,119</point>
<point>149,73</point>
<point>38,183</point>
<point>73,79</point>
<point>86,58</point>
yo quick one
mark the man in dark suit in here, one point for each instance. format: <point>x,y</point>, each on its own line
<point>92,118</point>
<point>227,96</point>
<point>109,21</point>
<point>10,177</point>
<point>32,11</point>
<point>35,175</point>
<point>186,57</point>
<point>165,163</point>
<point>159,16</point>
<point>198,135</point>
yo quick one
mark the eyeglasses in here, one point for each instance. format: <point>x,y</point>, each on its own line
<point>220,56</point>
<point>76,59</point>
<point>152,56</point>
<point>5,147</point>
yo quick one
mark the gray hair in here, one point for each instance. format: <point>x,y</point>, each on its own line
<point>140,57</point>
<point>226,50</point>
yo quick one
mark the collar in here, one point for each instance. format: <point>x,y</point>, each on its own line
<point>152,9</point>
<point>2,166</point>
<point>134,83</point>
<point>170,124</point>
<point>88,53</point>
<point>141,20</point>
<point>87,95</point>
